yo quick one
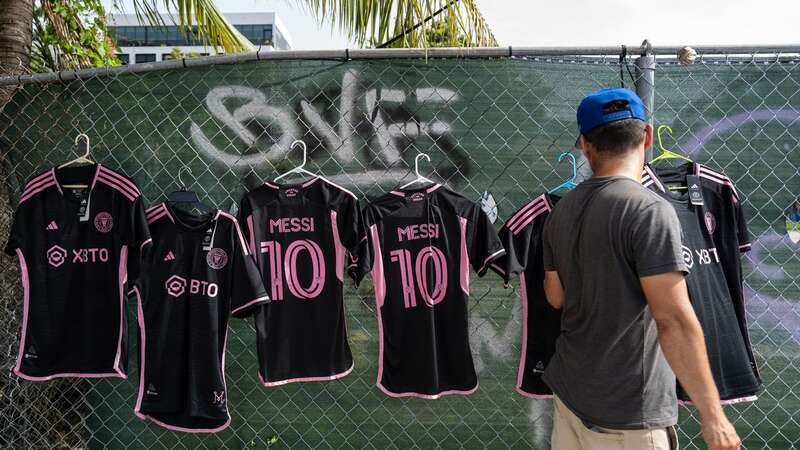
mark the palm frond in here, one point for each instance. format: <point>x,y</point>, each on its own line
<point>404,23</point>
<point>198,18</point>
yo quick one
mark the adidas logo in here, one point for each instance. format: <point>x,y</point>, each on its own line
<point>539,367</point>
<point>169,257</point>
<point>52,225</point>
<point>151,389</point>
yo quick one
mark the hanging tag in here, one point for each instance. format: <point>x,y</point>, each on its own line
<point>695,190</point>
<point>84,208</point>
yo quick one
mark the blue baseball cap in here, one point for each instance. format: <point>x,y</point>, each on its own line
<point>609,105</point>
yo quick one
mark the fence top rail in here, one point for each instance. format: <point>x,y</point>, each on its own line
<point>391,53</point>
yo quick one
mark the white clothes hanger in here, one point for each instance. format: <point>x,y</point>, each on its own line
<point>420,178</point>
<point>83,159</point>
<point>299,169</point>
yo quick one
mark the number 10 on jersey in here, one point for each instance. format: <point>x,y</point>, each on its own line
<point>283,268</point>
<point>427,255</point>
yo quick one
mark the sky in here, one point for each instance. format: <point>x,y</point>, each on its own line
<point>582,22</point>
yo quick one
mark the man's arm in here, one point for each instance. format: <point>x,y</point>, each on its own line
<point>682,342</point>
<point>553,289</point>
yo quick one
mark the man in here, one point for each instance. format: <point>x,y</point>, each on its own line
<point>613,262</point>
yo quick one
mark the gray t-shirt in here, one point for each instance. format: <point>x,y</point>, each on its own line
<point>608,367</point>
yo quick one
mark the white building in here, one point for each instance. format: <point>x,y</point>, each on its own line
<point>142,43</point>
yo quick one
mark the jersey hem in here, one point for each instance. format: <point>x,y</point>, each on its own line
<point>143,416</point>
<point>641,425</point>
<point>69,375</point>
<point>426,396</point>
<point>304,379</point>
<point>525,393</point>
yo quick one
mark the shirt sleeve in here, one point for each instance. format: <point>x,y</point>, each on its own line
<point>245,217</point>
<point>139,240</point>
<point>656,241</point>
<point>16,235</point>
<point>548,262</point>
<point>361,257</point>
<point>247,286</point>
<point>483,244</point>
<point>350,226</point>
<point>742,233</point>
<point>516,243</point>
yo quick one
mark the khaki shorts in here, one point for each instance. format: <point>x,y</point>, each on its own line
<point>571,433</point>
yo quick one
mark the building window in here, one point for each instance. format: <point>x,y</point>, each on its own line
<point>124,58</point>
<point>145,58</point>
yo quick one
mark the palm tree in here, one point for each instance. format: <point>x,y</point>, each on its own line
<point>63,36</point>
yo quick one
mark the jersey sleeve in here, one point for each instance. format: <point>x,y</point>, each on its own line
<point>247,287</point>
<point>350,225</point>
<point>360,260</point>
<point>245,216</point>
<point>742,233</point>
<point>515,259</point>
<point>483,244</point>
<point>16,235</point>
<point>139,239</point>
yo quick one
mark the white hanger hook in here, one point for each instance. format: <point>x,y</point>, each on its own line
<point>416,162</point>
<point>184,186</point>
<point>86,137</point>
<point>302,145</point>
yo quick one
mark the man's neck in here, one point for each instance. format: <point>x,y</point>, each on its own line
<point>630,166</point>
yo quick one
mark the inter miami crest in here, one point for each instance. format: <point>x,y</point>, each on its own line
<point>216,258</point>
<point>711,222</point>
<point>103,222</point>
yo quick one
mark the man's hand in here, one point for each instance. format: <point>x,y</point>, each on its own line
<point>682,342</point>
<point>719,434</point>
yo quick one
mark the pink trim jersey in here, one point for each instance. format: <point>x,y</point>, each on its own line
<point>301,236</point>
<point>77,249</point>
<point>197,274</point>
<point>715,234</point>
<point>419,248</point>
<point>541,323</point>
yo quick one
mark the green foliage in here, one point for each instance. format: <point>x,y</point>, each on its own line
<point>201,19</point>
<point>70,34</point>
<point>406,23</point>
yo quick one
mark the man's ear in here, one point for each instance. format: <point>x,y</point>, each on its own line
<point>648,136</point>
<point>584,146</point>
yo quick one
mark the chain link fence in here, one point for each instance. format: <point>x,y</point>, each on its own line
<point>492,124</point>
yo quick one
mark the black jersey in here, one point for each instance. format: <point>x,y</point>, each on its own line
<point>541,323</point>
<point>715,233</point>
<point>77,248</point>
<point>301,235</point>
<point>196,274</point>
<point>419,247</point>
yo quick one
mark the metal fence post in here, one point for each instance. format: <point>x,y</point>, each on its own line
<point>645,83</point>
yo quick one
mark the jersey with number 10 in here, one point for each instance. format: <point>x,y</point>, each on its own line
<point>419,247</point>
<point>301,235</point>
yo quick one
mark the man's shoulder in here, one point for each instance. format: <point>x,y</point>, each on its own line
<point>630,192</point>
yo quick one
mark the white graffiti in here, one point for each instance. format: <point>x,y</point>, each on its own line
<point>365,157</point>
